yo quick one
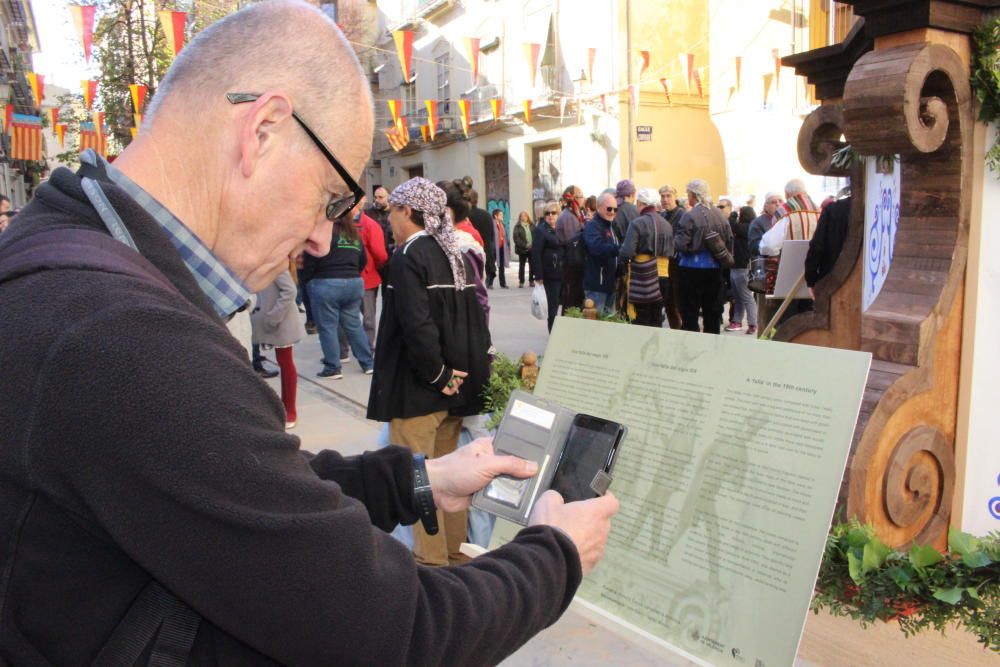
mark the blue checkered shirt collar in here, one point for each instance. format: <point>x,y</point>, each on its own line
<point>227,293</point>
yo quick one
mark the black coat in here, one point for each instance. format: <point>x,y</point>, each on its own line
<point>546,253</point>
<point>741,247</point>
<point>427,330</point>
<point>144,467</point>
<point>828,240</point>
<point>483,223</point>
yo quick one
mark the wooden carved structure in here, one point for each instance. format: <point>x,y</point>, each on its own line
<point>899,84</point>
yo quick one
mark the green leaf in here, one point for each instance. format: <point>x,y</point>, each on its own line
<point>949,595</point>
<point>854,567</point>
<point>900,576</point>
<point>874,555</point>
<point>857,537</point>
<point>976,559</point>
<point>973,593</point>
<point>924,556</point>
<point>962,543</point>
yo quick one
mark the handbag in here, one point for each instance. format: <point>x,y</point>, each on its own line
<point>539,303</point>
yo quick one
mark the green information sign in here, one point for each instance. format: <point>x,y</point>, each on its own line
<point>727,481</point>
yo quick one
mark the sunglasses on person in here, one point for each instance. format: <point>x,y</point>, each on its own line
<point>610,209</point>
<point>552,213</point>
<point>723,206</point>
<point>338,204</point>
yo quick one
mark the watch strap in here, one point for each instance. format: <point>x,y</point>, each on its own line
<point>423,495</point>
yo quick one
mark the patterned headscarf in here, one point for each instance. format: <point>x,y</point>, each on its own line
<point>422,195</point>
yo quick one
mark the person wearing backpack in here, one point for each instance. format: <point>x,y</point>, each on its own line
<point>700,270</point>
<point>547,259</point>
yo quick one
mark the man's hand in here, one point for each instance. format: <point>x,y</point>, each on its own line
<point>455,383</point>
<point>587,522</point>
<point>455,477</point>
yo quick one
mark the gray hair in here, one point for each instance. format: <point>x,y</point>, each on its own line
<point>699,190</point>
<point>284,45</point>
<point>607,196</point>
<point>794,187</point>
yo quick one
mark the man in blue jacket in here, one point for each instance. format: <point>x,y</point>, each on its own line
<point>601,269</point>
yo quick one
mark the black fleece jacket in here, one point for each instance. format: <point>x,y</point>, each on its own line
<point>137,443</point>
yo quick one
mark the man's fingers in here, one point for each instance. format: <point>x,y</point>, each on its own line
<point>460,374</point>
<point>513,466</point>
<point>608,504</point>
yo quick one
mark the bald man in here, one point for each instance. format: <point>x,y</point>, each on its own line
<point>152,507</point>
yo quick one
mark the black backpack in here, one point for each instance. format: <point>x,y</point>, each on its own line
<point>576,252</point>
<point>156,621</point>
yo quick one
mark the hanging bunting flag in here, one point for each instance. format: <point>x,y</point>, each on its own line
<point>397,138</point>
<point>138,96</point>
<point>395,106</point>
<point>527,111</point>
<point>54,113</point>
<point>89,93</point>
<point>687,69</point>
<point>701,80</point>
<point>739,70</point>
<point>91,138</point>
<point>61,134</point>
<point>496,105</point>
<point>404,49</point>
<point>666,87</point>
<point>37,83</point>
<point>777,68</point>
<point>645,62</point>
<point>432,120</point>
<point>26,137</point>
<point>732,91</point>
<point>134,131</point>
<point>99,122</point>
<point>83,21</point>
<point>173,24</point>
<point>591,55</point>
<point>767,86</point>
<point>531,51</point>
<point>562,108</point>
<point>464,112</point>
<point>424,132</point>
<point>8,118</point>
<point>604,101</point>
<point>137,118</point>
<point>472,53</point>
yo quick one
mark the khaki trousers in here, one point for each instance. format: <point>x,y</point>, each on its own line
<point>434,435</point>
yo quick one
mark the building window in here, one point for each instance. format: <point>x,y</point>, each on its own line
<point>443,63</point>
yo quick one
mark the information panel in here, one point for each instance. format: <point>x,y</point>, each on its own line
<point>727,481</point>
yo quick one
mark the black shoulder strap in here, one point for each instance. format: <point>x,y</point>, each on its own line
<point>155,613</point>
<point>76,249</point>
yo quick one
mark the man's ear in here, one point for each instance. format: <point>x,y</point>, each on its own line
<point>267,116</point>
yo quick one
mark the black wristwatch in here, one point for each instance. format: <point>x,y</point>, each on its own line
<point>423,495</point>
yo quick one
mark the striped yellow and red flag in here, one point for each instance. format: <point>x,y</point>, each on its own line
<point>134,131</point>
<point>99,122</point>
<point>173,24</point>
<point>496,106</point>
<point>26,137</point>
<point>90,138</point>
<point>395,107</point>
<point>424,132</point>
<point>89,87</point>
<point>432,120</point>
<point>472,53</point>
<point>37,83</point>
<point>531,51</point>
<point>397,135</point>
<point>464,111</point>
<point>54,115</point>
<point>138,96</point>
<point>61,134</point>
<point>83,21</point>
<point>527,111</point>
<point>404,49</point>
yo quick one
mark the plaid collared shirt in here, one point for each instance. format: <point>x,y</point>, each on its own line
<point>226,292</point>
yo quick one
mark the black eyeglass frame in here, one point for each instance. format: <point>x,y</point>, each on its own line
<point>337,206</point>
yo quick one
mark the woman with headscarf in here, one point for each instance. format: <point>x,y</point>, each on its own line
<point>431,359</point>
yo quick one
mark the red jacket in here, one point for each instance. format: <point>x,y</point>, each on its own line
<point>373,239</point>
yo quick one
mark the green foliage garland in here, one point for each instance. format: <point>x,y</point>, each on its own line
<point>865,579</point>
<point>985,81</point>
<point>504,379</point>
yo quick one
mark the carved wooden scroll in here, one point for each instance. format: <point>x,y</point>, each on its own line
<point>913,100</point>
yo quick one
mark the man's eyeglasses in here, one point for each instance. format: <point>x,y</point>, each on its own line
<point>552,213</point>
<point>338,205</point>
<point>610,209</point>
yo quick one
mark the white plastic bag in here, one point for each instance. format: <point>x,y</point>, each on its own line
<point>539,304</point>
